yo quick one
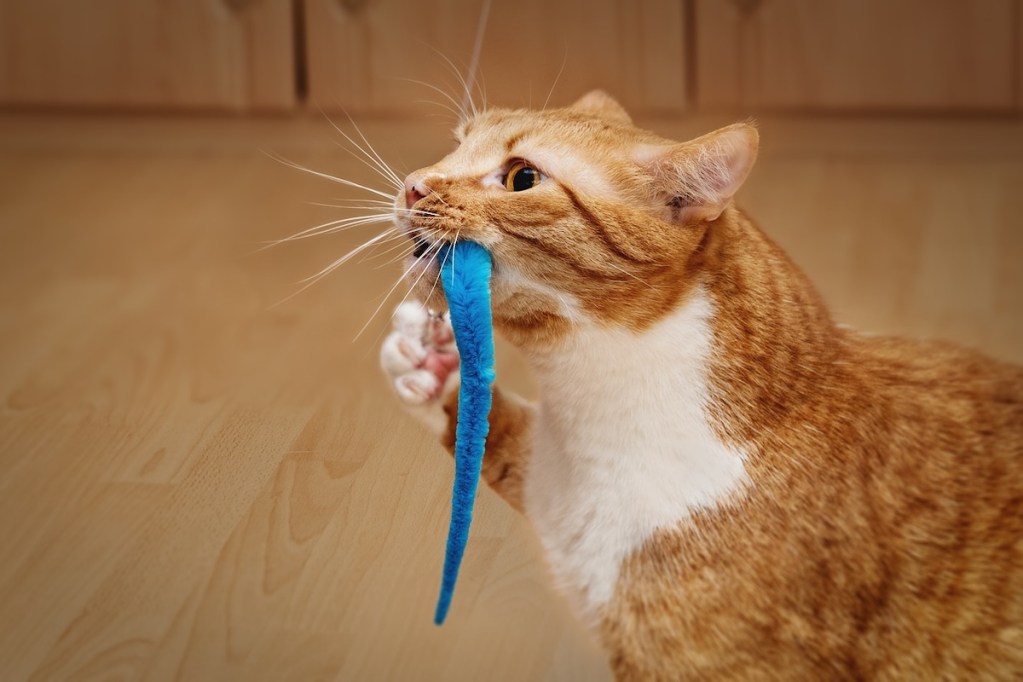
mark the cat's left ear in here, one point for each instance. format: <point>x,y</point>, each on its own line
<point>697,179</point>
<point>599,103</point>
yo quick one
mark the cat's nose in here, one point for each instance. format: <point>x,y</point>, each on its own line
<point>415,189</point>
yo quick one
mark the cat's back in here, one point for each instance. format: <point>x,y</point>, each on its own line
<point>946,478</point>
<point>948,396</point>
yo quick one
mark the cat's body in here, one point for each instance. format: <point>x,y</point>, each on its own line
<point>727,485</point>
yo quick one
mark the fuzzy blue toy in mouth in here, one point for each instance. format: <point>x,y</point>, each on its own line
<point>465,275</point>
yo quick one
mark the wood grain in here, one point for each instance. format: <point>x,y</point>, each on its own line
<point>199,484</point>
<point>851,55</point>
<point>210,54</point>
<point>364,59</point>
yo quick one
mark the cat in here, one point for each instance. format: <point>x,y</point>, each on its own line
<point>726,484</point>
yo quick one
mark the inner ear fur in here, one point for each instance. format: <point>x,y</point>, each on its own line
<point>599,103</point>
<point>699,178</point>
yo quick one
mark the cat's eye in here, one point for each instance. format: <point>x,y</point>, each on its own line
<point>521,176</point>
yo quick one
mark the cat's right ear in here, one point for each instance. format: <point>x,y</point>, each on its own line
<point>698,179</point>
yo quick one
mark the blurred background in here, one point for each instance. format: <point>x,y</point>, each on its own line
<point>203,475</point>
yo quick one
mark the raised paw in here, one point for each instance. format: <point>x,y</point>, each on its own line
<point>421,361</point>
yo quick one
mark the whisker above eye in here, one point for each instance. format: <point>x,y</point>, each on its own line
<point>458,116</point>
<point>477,50</point>
<point>467,103</point>
<point>564,60</point>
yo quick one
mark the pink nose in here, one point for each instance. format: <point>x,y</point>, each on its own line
<point>414,191</point>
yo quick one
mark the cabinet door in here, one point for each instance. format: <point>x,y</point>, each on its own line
<point>856,55</point>
<point>207,54</point>
<point>1019,57</point>
<point>362,54</point>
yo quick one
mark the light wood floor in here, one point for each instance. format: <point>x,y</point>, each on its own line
<point>197,484</point>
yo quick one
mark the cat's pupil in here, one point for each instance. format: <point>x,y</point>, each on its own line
<point>522,177</point>
<point>525,179</point>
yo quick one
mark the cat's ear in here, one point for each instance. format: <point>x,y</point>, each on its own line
<point>599,103</point>
<point>698,179</point>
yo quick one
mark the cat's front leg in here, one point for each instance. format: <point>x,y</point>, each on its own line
<point>421,362</point>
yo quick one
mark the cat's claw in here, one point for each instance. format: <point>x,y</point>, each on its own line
<point>421,361</point>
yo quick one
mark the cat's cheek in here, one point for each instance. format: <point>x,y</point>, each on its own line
<point>418,269</point>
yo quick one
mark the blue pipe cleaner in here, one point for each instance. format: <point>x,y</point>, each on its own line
<point>465,274</point>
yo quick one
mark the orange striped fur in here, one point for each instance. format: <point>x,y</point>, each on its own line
<point>866,519</point>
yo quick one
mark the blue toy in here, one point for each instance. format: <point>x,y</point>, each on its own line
<point>465,274</point>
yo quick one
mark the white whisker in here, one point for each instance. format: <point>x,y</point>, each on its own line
<point>454,241</point>
<point>405,252</point>
<point>433,247</point>
<point>347,257</point>
<point>458,117</point>
<point>467,103</point>
<point>380,202</point>
<point>373,162</point>
<point>371,166</point>
<point>327,176</point>
<point>331,227</point>
<point>431,253</point>
<point>435,195</point>
<point>357,206</point>
<point>406,245</point>
<point>441,92</point>
<point>399,183</point>
<point>443,263</point>
<point>564,60</point>
<point>477,49</point>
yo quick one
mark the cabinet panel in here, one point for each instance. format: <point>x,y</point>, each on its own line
<point>220,54</point>
<point>854,55</point>
<point>362,55</point>
<point>1019,56</point>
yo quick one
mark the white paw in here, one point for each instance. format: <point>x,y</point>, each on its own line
<point>421,363</point>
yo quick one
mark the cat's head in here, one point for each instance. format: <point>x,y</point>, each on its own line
<point>590,220</point>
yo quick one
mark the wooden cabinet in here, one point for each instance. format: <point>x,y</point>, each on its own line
<point>857,55</point>
<point>1019,56</point>
<point>389,56</point>
<point>362,55</point>
<point>197,54</point>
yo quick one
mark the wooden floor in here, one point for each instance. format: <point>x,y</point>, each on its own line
<point>198,484</point>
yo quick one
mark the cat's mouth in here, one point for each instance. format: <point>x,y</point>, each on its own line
<point>422,246</point>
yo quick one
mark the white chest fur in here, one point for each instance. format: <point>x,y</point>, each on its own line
<point>623,447</point>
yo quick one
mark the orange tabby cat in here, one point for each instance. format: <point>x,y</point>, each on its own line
<point>726,484</point>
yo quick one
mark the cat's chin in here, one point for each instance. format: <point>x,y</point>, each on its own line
<point>423,277</point>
